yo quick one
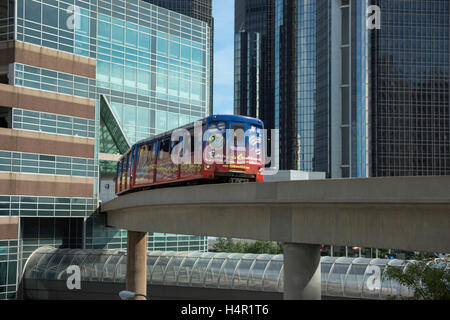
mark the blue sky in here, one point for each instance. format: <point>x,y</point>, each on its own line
<point>223,12</point>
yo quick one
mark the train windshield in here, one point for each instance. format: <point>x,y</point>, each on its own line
<point>255,146</point>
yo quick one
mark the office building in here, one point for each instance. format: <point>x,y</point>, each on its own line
<point>383,92</point>
<point>254,59</point>
<point>275,68</point>
<point>410,125</point>
<point>80,82</point>
<point>295,82</point>
<point>201,10</point>
<point>351,100</point>
<point>342,117</point>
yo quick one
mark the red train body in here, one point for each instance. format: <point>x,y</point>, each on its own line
<point>149,163</point>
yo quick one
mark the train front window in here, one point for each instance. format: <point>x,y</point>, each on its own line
<point>215,136</point>
<point>220,126</point>
<point>254,135</point>
<point>239,136</point>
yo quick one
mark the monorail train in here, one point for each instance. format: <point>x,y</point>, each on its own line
<point>149,163</point>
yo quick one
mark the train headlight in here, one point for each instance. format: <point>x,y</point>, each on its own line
<point>260,170</point>
<point>208,167</point>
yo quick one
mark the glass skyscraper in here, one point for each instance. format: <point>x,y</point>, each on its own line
<point>350,100</point>
<point>201,10</point>
<point>79,82</point>
<point>383,92</point>
<point>254,59</point>
<point>343,97</point>
<point>295,82</point>
<point>410,89</point>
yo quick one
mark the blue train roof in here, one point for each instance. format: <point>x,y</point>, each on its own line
<point>234,118</point>
<point>210,118</point>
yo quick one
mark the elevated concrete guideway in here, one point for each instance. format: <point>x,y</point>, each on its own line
<point>412,214</point>
<point>400,213</point>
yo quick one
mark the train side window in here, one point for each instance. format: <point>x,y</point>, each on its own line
<point>151,154</point>
<point>192,141</point>
<point>164,149</point>
<point>176,143</point>
<point>121,170</point>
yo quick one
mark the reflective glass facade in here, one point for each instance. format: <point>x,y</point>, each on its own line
<point>411,106</point>
<point>322,123</point>
<point>360,90</point>
<point>197,9</point>
<point>279,18</point>
<point>9,261</point>
<point>152,73</point>
<point>27,206</point>
<point>306,81</point>
<point>254,60</point>
<point>7,20</point>
<point>384,93</point>
<point>357,102</point>
<point>295,82</point>
<point>53,123</point>
<point>247,74</point>
<point>152,64</point>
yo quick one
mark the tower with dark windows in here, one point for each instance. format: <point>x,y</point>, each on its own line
<point>275,72</point>
<point>348,100</point>
<point>383,94</point>
<point>410,124</point>
<point>254,59</point>
<point>295,82</point>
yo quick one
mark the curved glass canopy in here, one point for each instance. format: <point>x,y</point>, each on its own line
<point>358,278</point>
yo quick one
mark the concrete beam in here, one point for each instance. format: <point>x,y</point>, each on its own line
<point>400,213</point>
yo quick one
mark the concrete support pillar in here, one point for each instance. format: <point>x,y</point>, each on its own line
<point>137,263</point>
<point>302,272</point>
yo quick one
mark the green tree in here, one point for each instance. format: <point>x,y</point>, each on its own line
<point>261,247</point>
<point>428,281</point>
<point>258,247</point>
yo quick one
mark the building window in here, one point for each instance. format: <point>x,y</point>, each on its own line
<point>5,117</point>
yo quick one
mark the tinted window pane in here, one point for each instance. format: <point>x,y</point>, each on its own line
<point>103,71</point>
<point>161,83</point>
<point>143,117</point>
<point>132,38</point>
<point>117,34</point>
<point>196,56</point>
<point>144,42</point>
<point>172,121</point>
<point>130,77</point>
<point>161,120</point>
<point>117,74</point>
<point>104,30</point>
<point>33,11</point>
<point>185,53</point>
<point>162,47</point>
<point>143,80</point>
<point>174,50</point>
<point>50,16</point>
